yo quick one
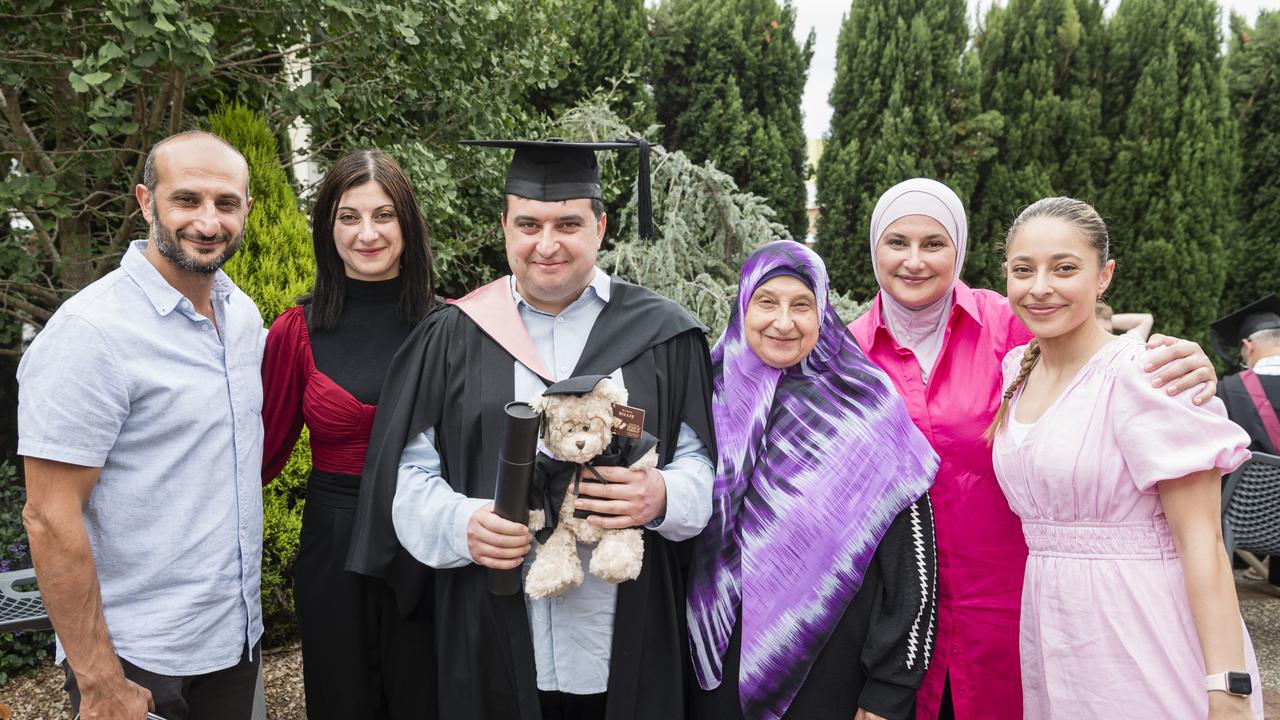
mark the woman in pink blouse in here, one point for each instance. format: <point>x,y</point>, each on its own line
<point>942,343</point>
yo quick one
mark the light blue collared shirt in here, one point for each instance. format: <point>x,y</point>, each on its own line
<point>129,378</point>
<point>572,634</point>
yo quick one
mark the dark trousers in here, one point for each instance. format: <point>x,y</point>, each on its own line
<point>220,695</point>
<point>564,706</point>
<point>360,657</point>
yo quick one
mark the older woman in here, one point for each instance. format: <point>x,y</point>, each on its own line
<point>942,344</point>
<point>811,590</point>
<point>324,365</point>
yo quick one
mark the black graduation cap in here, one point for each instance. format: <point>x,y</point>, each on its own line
<point>577,385</point>
<point>1228,331</point>
<point>554,169</point>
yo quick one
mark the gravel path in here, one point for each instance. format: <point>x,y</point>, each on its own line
<point>42,698</point>
<point>1260,606</point>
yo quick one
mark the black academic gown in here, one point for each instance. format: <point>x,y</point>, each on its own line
<point>1242,412</point>
<point>451,376</point>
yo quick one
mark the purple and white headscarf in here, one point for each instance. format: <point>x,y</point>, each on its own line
<point>815,462</point>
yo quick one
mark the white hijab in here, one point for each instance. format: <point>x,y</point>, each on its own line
<point>920,329</point>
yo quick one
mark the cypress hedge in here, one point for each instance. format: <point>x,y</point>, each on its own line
<point>274,266</point>
<point>1174,163</point>
<point>1253,72</point>
<point>903,106</point>
<point>1040,62</point>
<point>728,81</point>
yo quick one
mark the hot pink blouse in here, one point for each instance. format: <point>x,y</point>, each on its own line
<point>981,552</point>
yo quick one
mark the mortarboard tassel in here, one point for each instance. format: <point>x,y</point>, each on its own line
<point>643,192</point>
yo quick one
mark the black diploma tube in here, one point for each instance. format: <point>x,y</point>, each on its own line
<point>515,473</point>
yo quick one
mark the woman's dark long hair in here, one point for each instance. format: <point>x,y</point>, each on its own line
<point>417,269</point>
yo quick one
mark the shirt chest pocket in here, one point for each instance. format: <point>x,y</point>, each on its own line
<point>250,369</point>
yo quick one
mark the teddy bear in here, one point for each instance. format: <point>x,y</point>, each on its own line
<point>579,427</point>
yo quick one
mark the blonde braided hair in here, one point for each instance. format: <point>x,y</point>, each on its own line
<point>1029,359</point>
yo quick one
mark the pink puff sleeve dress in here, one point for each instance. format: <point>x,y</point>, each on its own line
<point>1106,627</point>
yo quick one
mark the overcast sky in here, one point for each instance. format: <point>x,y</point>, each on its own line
<point>825,16</point>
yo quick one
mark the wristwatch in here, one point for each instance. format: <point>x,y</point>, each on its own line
<point>1235,683</point>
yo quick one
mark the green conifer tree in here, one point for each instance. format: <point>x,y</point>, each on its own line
<point>1171,179</point>
<point>608,48</point>
<point>704,225</point>
<point>1040,69</point>
<point>1253,71</point>
<point>902,107</point>
<point>728,82</point>
<point>274,266</point>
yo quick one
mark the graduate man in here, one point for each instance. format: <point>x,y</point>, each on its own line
<point>600,650</point>
<point>1253,395</point>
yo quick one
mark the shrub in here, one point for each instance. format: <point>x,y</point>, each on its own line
<point>274,266</point>
<point>902,106</point>
<point>728,80</point>
<point>20,652</point>
<point>1254,251</point>
<point>1174,162</point>
<point>282,503</point>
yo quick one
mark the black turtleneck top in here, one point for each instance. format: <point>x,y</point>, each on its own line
<point>356,353</point>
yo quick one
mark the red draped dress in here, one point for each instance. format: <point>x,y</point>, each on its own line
<point>296,393</point>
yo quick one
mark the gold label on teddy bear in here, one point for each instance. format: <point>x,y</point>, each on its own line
<point>628,421</point>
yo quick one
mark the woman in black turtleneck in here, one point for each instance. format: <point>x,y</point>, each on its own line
<point>324,365</point>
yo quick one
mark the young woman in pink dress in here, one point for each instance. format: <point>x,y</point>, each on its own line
<point>1128,606</point>
<point>941,342</point>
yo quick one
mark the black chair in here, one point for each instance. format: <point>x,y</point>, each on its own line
<point>21,610</point>
<point>1251,510</point>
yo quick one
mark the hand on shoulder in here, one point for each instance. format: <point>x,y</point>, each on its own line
<point>1179,365</point>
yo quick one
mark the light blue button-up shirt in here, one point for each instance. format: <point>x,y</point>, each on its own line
<point>572,634</point>
<point>129,378</point>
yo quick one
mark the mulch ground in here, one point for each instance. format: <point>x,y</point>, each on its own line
<point>42,698</point>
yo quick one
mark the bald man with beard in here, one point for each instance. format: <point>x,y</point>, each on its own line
<point>139,420</point>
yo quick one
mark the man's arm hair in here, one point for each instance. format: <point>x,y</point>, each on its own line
<point>54,519</point>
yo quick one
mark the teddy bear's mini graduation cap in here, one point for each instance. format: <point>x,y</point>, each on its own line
<point>1228,331</point>
<point>554,170</point>
<point>578,385</point>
